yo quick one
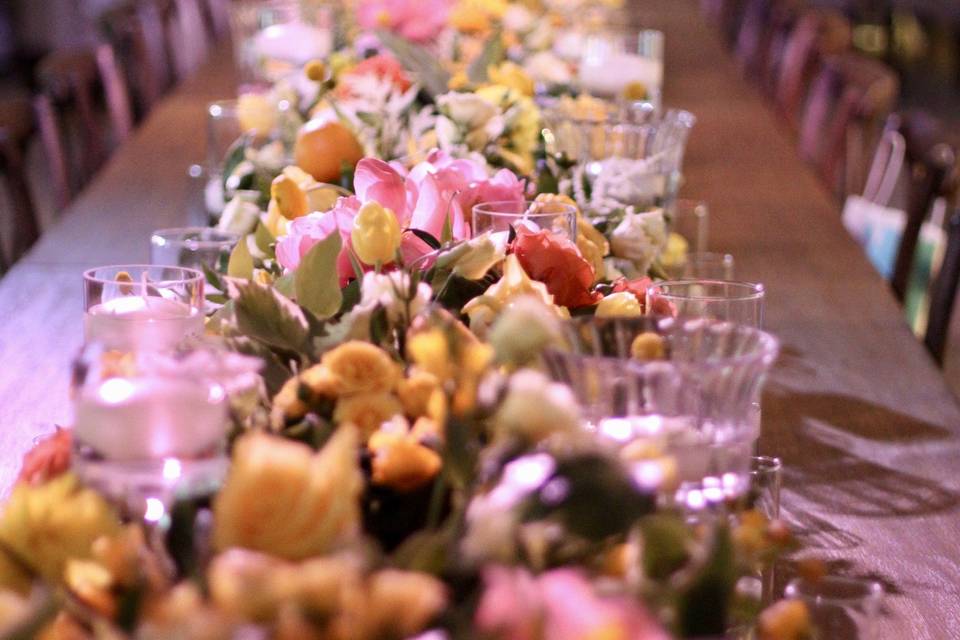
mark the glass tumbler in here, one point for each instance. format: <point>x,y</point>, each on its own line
<point>500,217</point>
<point>142,307</point>
<point>840,607</point>
<point>192,247</point>
<point>740,302</point>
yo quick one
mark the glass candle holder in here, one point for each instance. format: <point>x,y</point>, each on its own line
<point>500,217</point>
<point>192,247</point>
<point>703,265</point>
<point>142,307</point>
<point>274,39</point>
<point>740,302</point>
<point>691,221</point>
<point>623,64</point>
<point>674,396</point>
<point>149,427</point>
<point>765,480</point>
<point>840,607</point>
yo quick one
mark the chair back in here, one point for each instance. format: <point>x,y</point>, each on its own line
<point>17,126</point>
<point>77,89</point>
<point>930,163</point>
<point>186,35</point>
<point>943,293</point>
<point>848,101</point>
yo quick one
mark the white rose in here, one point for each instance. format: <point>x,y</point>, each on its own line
<point>547,68</point>
<point>467,109</point>
<point>239,216</point>
<point>472,259</point>
<point>383,288</point>
<point>639,238</point>
<point>535,408</point>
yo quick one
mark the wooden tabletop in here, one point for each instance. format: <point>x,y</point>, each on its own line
<point>865,424</point>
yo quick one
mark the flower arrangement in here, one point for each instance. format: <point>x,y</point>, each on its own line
<point>407,466</point>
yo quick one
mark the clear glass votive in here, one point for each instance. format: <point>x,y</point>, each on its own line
<point>740,302</point>
<point>690,219</point>
<point>765,479</point>
<point>274,39</point>
<point>501,217</point>
<point>149,427</point>
<point>192,247</point>
<point>142,307</point>
<point>707,265</point>
<point>623,64</point>
<point>840,607</point>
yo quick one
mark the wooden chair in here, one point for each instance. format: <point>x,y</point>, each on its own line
<point>849,99</point>
<point>943,293</point>
<point>930,164</point>
<point>73,86</point>
<point>753,39</point>
<point>16,129</point>
<point>217,14</point>
<point>726,14</point>
<point>136,32</point>
<point>815,35</point>
<point>186,34</point>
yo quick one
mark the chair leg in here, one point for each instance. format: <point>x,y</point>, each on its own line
<point>944,293</point>
<point>25,227</point>
<point>53,149</point>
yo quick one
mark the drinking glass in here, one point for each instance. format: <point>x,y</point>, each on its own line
<point>740,302</point>
<point>500,217</point>
<point>704,265</point>
<point>765,480</point>
<point>691,221</point>
<point>142,307</point>
<point>274,39</point>
<point>623,64</point>
<point>192,247</point>
<point>683,420</point>
<point>840,607</point>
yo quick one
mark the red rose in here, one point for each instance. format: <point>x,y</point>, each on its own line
<point>382,66</point>
<point>638,288</point>
<point>555,261</point>
<point>47,459</point>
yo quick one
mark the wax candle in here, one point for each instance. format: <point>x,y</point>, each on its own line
<point>149,418</point>
<point>150,322</point>
<point>609,73</point>
<point>293,42</point>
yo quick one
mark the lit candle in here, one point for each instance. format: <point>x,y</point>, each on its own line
<point>609,73</point>
<point>293,42</point>
<point>150,418</point>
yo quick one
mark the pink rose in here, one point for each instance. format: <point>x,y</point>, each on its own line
<point>415,20</point>
<point>377,180</point>
<point>307,231</point>
<point>560,605</point>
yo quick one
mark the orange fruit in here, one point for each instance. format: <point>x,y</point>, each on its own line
<point>323,146</point>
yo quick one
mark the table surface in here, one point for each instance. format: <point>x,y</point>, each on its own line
<point>864,422</point>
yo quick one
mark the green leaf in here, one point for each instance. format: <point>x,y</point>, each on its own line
<point>285,285</point>
<point>426,237</point>
<point>702,610</point>
<point>241,262</point>
<point>235,155</point>
<point>265,241</point>
<point>274,371</point>
<point>316,281</point>
<point>351,296</point>
<point>492,54</point>
<point>213,278</point>
<point>664,545</point>
<point>446,234</point>
<point>419,61</point>
<point>265,315</point>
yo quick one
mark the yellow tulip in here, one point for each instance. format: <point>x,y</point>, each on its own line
<point>282,498</point>
<point>290,198</point>
<point>375,234</point>
<point>359,367</point>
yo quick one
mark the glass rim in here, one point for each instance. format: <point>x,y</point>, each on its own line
<point>190,275</point>
<point>482,208</point>
<point>229,237</point>
<point>752,290</point>
<point>767,464</point>
<point>765,350</point>
<point>614,118</point>
<point>873,590</point>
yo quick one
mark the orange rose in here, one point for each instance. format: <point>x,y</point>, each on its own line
<point>556,262</point>
<point>47,459</point>
<point>383,66</point>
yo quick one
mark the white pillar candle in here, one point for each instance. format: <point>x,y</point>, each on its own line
<point>148,322</point>
<point>293,42</point>
<point>150,418</point>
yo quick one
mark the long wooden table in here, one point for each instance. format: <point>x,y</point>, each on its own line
<point>867,429</point>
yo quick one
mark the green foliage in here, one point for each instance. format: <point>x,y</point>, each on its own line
<point>316,281</point>
<point>241,261</point>
<point>493,53</point>
<point>265,315</point>
<point>704,606</point>
<point>420,62</point>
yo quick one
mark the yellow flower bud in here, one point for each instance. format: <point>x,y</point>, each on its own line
<point>431,353</point>
<point>635,91</point>
<point>315,70</point>
<point>256,113</point>
<point>402,463</point>
<point>375,234</point>
<point>619,305</point>
<point>784,620</point>
<point>648,346</point>
<point>290,198</point>
<point>360,367</point>
<point>414,392</point>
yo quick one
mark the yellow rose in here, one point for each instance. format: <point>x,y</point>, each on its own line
<point>510,74</point>
<point>619,305</point>
<point>415,393</point>
<point>367,411</point>
<point>256,113</point>
<point>48,524</point>
<point>784,620</point>
<point>312,500</point>
<point>485,308</point>
<point>376,234</point>
<point>247,584</point>
<point>430,351</point>
<point>674,255</point>
<point>360,367</point>
<point>522,127</point>
<point>400,462</point>
<point>399,604</point>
